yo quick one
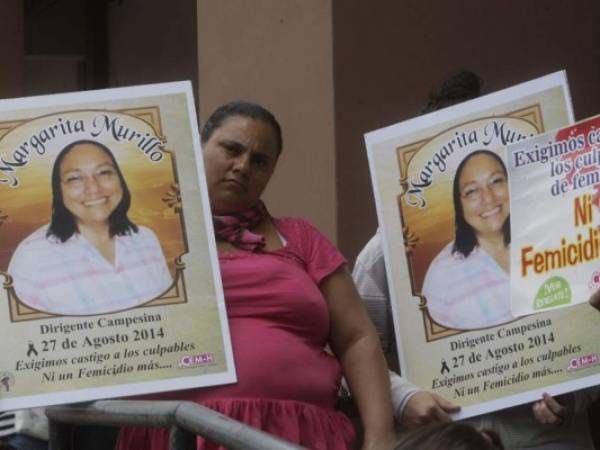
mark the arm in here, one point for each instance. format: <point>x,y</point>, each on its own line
<point>164,278</point>
<point>371,282</point>
<point>354,342</point>
<point>25,272</point>
<point>412,407</point>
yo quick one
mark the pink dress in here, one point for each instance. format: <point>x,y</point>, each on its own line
<point>279,324</point>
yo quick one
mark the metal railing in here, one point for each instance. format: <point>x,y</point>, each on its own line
<point>186,420</point>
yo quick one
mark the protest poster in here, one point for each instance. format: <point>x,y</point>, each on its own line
<point>448,271</point>
<point>111,282</point>
<point>555,186</point>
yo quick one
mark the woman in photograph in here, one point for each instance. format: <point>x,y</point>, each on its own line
<point>90,259</point>
<point>288,294</point>
<point>467,283</point>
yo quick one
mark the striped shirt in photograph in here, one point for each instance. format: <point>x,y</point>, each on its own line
<point>467,293</point>
<point>7,424</point>
<point>74,278</point>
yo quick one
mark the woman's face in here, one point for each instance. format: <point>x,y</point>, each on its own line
<point>239,159</point>
<point>90,184</point>
<point>484,195</point>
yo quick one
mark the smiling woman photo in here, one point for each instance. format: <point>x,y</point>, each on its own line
<point>466,285</point>
<point>90,259</point>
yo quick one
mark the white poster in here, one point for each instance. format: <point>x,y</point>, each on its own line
<point>110,279</point>
<point>555,195</point>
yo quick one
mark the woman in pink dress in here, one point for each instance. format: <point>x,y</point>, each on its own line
<point>288,294</point>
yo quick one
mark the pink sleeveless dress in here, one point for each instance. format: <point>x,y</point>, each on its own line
<point>279,324</point>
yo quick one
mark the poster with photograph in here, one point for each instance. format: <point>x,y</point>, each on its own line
<point>442,195</point>
<point>110,278</point>
<point>555,196</point>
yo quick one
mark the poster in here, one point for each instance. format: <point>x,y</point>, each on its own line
<point>555,185</point>
<point>455,332</point>
<point>110,279</point>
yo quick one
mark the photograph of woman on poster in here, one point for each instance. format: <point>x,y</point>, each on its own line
<point>90,258</point>
<point>467,283</point>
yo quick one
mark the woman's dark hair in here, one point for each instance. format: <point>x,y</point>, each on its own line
<point>449,436</point>
<point>240,108</point>
<point>465,239</point>
<point>462,86</point>
<point>63,225</point>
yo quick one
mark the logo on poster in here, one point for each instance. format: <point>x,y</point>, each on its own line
<point>581,362</point>
<point>196,360</point>
<point>594,283</point>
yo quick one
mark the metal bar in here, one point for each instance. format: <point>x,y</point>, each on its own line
<point>189,416</point>
<point>117,413</point>
<point>223,430</point>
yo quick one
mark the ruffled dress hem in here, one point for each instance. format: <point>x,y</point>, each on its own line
<point>307,425</point>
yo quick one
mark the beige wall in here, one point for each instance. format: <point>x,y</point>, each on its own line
<point>388,58</point>
<point>278,53</point>
<point>12,48</point>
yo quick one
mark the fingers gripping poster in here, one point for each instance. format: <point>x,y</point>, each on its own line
<point>110,281</point>
<point>442,195</point>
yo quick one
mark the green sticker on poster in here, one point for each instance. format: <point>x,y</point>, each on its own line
<point>554,292</point>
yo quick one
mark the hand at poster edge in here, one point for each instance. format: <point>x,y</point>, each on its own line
<point>426,407</point>
<point>595,300</point>
<point>549,411</point>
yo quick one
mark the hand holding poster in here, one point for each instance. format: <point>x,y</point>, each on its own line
<point>555,185</point>
<point>110,280</point>
<point>441,190</point>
